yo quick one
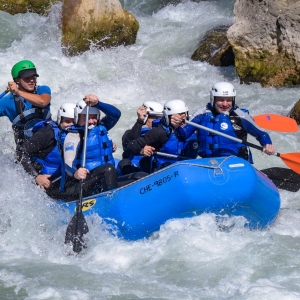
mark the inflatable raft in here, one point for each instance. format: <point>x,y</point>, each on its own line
<point>223,186</point>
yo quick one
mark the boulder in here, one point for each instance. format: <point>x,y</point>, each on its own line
<point>265,38</point>
<point>102,23</point>
<point>295,112</point>
<point>215,48</point>
<point>22,6</point>
<point>164,3</point>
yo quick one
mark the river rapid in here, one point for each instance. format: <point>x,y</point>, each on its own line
<point>187,258</point>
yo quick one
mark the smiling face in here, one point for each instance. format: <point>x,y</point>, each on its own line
<point>66,122</point>
<point>223,104</point>
<point>92,119</point>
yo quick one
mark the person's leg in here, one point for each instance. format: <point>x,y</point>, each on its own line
<point>71,191</point>
<point>127,179</point>
<point>126,167</point>
<point>145,164</point>
<point>101,179</point>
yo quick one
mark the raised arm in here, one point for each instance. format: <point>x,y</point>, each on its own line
<point>112,114</point>
<point>40,99</point>
<point>156,137</point>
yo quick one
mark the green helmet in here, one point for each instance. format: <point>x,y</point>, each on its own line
<point>18,70</point>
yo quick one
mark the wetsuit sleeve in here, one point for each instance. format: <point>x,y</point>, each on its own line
<point>133,133</point>
<point>252,128</point>
<point>156,137</point>
<point>40,145</point>
<point>112,115</point>
<point>70,148</point>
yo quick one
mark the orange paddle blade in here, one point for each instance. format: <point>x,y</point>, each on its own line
<point>292,160</point>
<point>276,123</point>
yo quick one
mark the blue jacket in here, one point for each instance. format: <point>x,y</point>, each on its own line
<point>8,107</point>
<point>176,147</point>
<point>99,148</point>
<point>26,115</point>
<point>99,144</point>
<point>136,158</point>
<point>238,123</point>
<point>53,163</point>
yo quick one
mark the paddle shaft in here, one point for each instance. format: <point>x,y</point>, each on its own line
<point>78,226</point>
<point>84,155</point>
<point>155,113</point>
<point>228,136</point>
<point>266,121</point>
<point>170,155</point>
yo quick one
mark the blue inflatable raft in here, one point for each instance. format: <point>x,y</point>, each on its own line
<point>223,186</point>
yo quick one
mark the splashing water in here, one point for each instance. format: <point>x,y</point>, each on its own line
<point>187,258</point>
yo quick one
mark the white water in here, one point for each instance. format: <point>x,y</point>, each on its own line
<point>189,258</point>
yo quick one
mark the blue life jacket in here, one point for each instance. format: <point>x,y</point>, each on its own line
<point>26,119</point>
<point>211,145</point>
<point>175,147</point>
<point>136,158</point>
<point>52,164</point>
<point>99,150</point>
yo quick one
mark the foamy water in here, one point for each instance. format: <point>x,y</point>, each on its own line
<point>186,259</point>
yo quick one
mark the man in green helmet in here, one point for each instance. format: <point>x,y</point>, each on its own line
<point>27,103</point>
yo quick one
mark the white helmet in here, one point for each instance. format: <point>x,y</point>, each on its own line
<point>80,109</point>
<point>66,110</point>
<point>152,106</point>
<point>222,89</point>
<point>174,107</point>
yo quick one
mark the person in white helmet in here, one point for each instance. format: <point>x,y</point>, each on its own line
<point>147,114</point>
<point>162,138</point>
<point>222,114</point>
<point>99,172</point>
<point>40,155</point>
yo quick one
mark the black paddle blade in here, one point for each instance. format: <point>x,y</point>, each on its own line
<point>285,179</point>
<point>75,231</point>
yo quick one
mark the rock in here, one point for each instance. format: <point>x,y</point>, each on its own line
<point>265,38</point>
<point>215,49</point>
<point>22,6</point>
<point>164,3</point>
<point>103,23</point>
<point>295,112</point>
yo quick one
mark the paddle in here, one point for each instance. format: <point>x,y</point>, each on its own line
<point>179,157</point>
<point>155,113</point>
<point>78,226</point>
<point>283,178</point>
<point>4,93</point>
<point>266,121</point>
<point>292,160</point>
<point>276,123</point>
